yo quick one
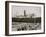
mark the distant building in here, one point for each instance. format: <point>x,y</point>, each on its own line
<point>24,13</point>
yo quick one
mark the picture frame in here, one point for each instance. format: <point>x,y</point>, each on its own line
<point>24,18</point>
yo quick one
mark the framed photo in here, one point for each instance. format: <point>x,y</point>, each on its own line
<point>24,18</point>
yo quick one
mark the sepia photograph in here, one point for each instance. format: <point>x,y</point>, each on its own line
<point>24,18</point>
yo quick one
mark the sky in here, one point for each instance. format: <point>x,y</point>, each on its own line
<point>19,10</point>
